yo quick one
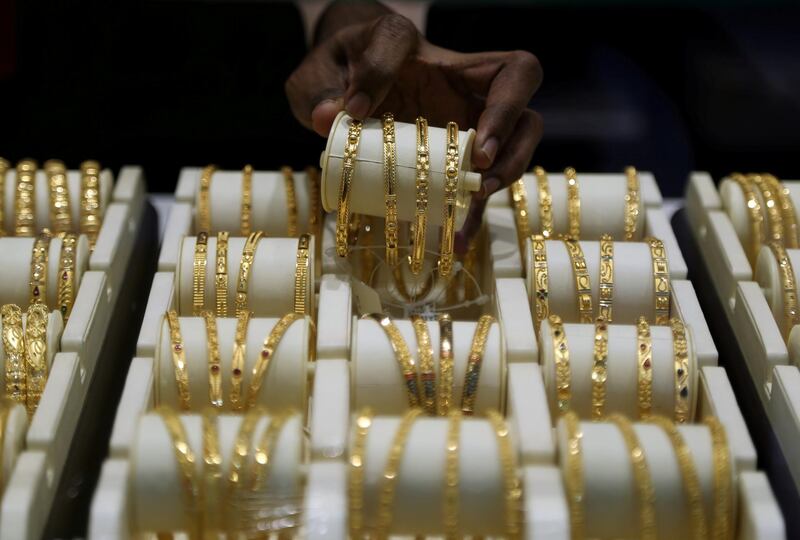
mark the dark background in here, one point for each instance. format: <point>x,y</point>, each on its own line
<point>667,87</point>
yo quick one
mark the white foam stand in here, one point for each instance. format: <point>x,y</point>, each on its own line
<point>334,317</point>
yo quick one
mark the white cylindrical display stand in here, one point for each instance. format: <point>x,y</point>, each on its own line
<point>55,327</point>
<point>13,440</point>
<point>367,193</point>
<point>769,277</point>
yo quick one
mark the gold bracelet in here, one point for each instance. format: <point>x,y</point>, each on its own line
<point>444,385</point>
<point>641,474</point>
<point>291,202</point>
<point>772,204</point>
<point>691,482</point>
<point>267,352</point>
<point>519,201</point>
<point>545,203</point>
<point>314,211</point>
<point>221,275</point>
<point>561,360</point>
<point>246,225</point>
<point>66,273</point>
<point>4,166</point>
<point>239,458</point>
<point>632,201</point>
<point>583,285</point>
<point>599,369</point>
<point>36,347</point>
<point>476,352</point>
<point>450,195</point>
<point>644,354</point>
<point>680,351</point>
<point>90,219</point>
<point>661,286</point>
<point>425,361</point>
<point>204,200</point>
<point>723,497</point>
<point>60,214</point>
<point>390,189</point>
<point>214,373</point>
<point>420,225</point>
<point>185,458</point>
<point>539,281</point>
<point>179,360</point>
<point>212,472</point>
<point>245,265</point>
<point>25,199</point>
<point>573,475</point>
<point>199,273</point>
<point>301,267</point>
<point>755,215</point>
<point>355,486</point>
<point>238,359</point>
<point>451,477</point>
<point>405,360</point>
<point>790,305</point>
<point>574,202</point>
<point>606,298</point>
<point>39,261</point>
<point>16,353</point>
<point>788,216</point>
<point>346,186</point>
<point>511,482</point>
<point>263,459</point>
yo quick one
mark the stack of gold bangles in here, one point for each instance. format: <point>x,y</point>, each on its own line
<point>26,355</point>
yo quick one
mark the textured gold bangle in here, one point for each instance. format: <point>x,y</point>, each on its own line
<point>511,482</point>
<point>214,370</point>
<point>263,460</point>
<point>246,224</point>
<point>574,203</point>
<point>271,343</point>
<point>238,359</point>
<point>680,351</point>
<point>427,374</point>
<point>583,285</point>
<point>545,203</point>
<point>16,353</point>
<point>451,477</point>
<point>539,281</point>
<point>90,218</point>
<point>355,485</point>
<point>755,215</point>
<point>632,202</point>
<point>772,204</point>
<point>519,201</point>
<point>36,347</point>
<point>573,474</point>
<point>444,384</point>
<point>790,304</point>
<point>691,482</point>
<point>405,360</point>
<point>599,369</point>
<point>476,352</point>
<point>4,166</point>
<point>301,267</point>
<point>661,285</point>
<point>204,200</point>
<point>641,475</point>
<point>788,216</point>
<point>450,196</point>
<point>39,262</point>
<point>239,458</point>
<point>391,231</point>
<point>291,202</point>
<point>212,472</point>
<point>179,360</point>
<point>606,297</point>
<point>66,274</point>
<point>221,275</point>
<point>644,357</point>
<point>199,273</point>
<point>346,186</point>
<point>561,360</point>
<point>60,215</point>
<point>420,224</point>
<point>25,199</point>
<point>721,521</point>
<point>185,458</point>
<point>245,265</point>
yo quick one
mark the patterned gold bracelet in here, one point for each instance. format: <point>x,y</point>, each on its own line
<point>66,274</point>
<point>573,474</point>
<point>425,362</point>
<point>246,222</point>
<point>214,368</point>
<point>450,196</point>
<point>199,273</point>
<point>772,205</point>
<point>511,483</point>
<point>355,485</point>
<point>301,277</point>
<point>791,309</point>
<point>346,186</point>
<point>606,298</point>
<point>90,218</point>
<point>519,201</point>
<point>291,202</point>
<point>444,384</point>
<point>36,347</point>
<point>239,359</point>
<point>239,458</point>
<point>268,349</point>
<point>599,369</point>
<point>680,351</point>
<point>788,216</point>
<point>545,203</point>
<point>391,230</point>
<point>632,202</point>
<point>185,458</point>
<point>722,516</point>
<point>204,199</point>
<point>583,285</point>
<point>16,353</point>
<point>60,214</point>
<point>25,199</point>
<point>4,167</point>
<point>756,217</point>
<point>574,202</point>
<point>644,357</point>
<point>451,477</point>
<point>561,360</point>
<point>661,284</point>
<point>212,472</point>
<point>476,352</point>
<point>179,360</point>
<point>245,265</point>
<point>221,275</point>
<point>539,281</point>
<point>405,360</point>
<point>263,459</point>
<point>39,262</point>
<point>420,225</point>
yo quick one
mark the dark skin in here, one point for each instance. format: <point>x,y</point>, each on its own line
<point>368,60</point>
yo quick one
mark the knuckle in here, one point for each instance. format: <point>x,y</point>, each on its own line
<point>526,60</point>
<point>505,113</point>
<point>375,68</point>
<point>397,26</point>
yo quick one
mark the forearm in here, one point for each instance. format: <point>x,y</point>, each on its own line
<point>342,13</point>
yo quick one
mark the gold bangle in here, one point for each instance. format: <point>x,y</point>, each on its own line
<point>545,202</point>
<point>212,472</point>
<point>661,286</point>
<point>519,201</point>
<point>16,353</point>
<point>36,347</point>
<point>66,273</point>
<point>315,209</point>
<point>755,215</point>
<point>574,202</point>
<point>561,360</point>
<point>539,281</point>
<point>390,188</point>
<point>25,199</point>
<point>420,224</point>
<point>60,215</point>
<point>291,202</point>
<point>680,350</point>
<point>405,360</point>
<point>90,218</point>
<point>691,482</point>
<point>573,474</point>
<point>356,477</point>
<point>238,359</point>
<point>641,475</point>
<point>644,356</point>
<point>444,384</point>
<point>221,275</point>
<point>245,265</point>
<point>476,352</point>
<point>788,216</point>
<point>723,497</point>
<point>239,457</point>
<point>199,273</point>
<point>179,360</point>
<point>772,204</point>
<point>204,200</point>
<point>425,361</point>
<point>606,297</point>
<point>214,373</point>
<point>267,352</point>
<point>39,261</point>
<point>790,305</point>
<point>301,274</point>
<point>511,482</point>
<point>263,459</point>
<point>583,285</point>
<point>346,186</point>
<point>4,166</point>
<point>450,195</point>
<point>247,200</point>
<point>599,369</point>
<point>632,201</point>
<point>451,477</point>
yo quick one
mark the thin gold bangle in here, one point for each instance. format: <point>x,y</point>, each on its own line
<point>632,202</point>
<point>561,359</point>
<point>519,201</point>
<point>444,384</point>
<point>390,189</point>
<point>36,347</point>
<point>245,265</point>
<point>214,369</point>
<point>291,202</point>
<point>545,202</point>
<point>90,218</point>
<point>644,356</point>
<point>511,482</point>
<point>356,477</point>
<point>66,274</point>
<point>39,262</point>
<point>476,352</point>
<point>239,457</point>
<point>301,267</point>
<point>263,460</point>
<point>25,199</point>
<point>16,353</point>
<point>790,304</point>
<point>450,195</point>
<point>583,285</point>
<point>403,356</point>
<point>60,215</point>
<point>179,360</point>
<point>238,359</point>
<point>420,225</point>
<point>315,209</point>
<point>4,166</point>
<point>199,273</point>
<point>451,477</point>
<point>788,216</point>
<point>661,285</point>
<point>221,275</point>
<point>212,472</point>
<point>346,186</point>
<point>606,299</point>
<point>574,202</point>
<point>573,474</point>
<point>772,204</point>
<point>271,343</point>
<point>427,374</point>
<point>754,214</point>
<point>539,281</point>
<point>723,498</point>
<point>642,479</point>
<point>246,225</point>
<point>204,199</point>
<point>599,369</point>
<point>680,351</point>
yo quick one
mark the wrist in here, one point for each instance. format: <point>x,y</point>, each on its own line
<point>342,13</point>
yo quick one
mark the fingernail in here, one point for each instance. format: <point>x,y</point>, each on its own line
<point>358,106</point>
<point>489,148</point>
<point>489,186</point>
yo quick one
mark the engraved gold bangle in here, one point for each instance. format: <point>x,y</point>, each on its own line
<point>427,374</point>
<point>179,360</point>
<point>204,200</point>
<point>420,225</point>
<point>444,384</point>
<point>644,362</point>
<point>722,516</point>
<point>574,203</point>
<point>545,202</point>
<point>355,485</point>
<point>214,369</point>
<point>788,216</point>
<point>755,215</point>
<point>291,202</point>
<point>790,304</point>
<point>25,199</point>
<point>39,262</point>
<point>262,462</point>
<point>661,285</point>
<point>238,359</point>
<point>519,201</point>
<point>4,166</point>
<point>245,266</point>
<point>476,352</point>
<point>66,274</point>
<point>268,349</point>
<point>680,351</point>
<point>561,356</point>
<point>16,353</point>
<point>583,286</point>
<point>246,224</point>
<point>301,267</point>
<point>221,275</point>
<point>451,477</point>
<point>405,360</point>
<point>391,231</point>
<point>239,458</point>
<point>199,273</point>
<point>606,298</point>
<point>346,186</point>
<point>539,281</point>
<point>36,347</point>
<point>772,204</point>
<point>90,218</point>
<point>450,195</point>
<point>632,202</point>
<point>573,474</point>
<point>60,214</point>
<point>185,458</point>
<point>212,472</point>
<point>511,483</point>
<point>599,369</point>
<point>315,209</point>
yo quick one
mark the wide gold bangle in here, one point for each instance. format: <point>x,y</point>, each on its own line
<point>238,359</point>
<point>561,360</point>
<point>790,305</point>
<point>239,458</point>
<point>16,353</point>
<point>772,204</point>
<point>420,225</point>
<point>519,201</point>
<point>632,202</point>
<point>754,213</point>
<point>214,369</point>
<point>545,202</point>
<point>301,267</point>
<point>60,214</point>
<point>355,485</point>
<point>246,221</point>
<point>25,199</point>
<point>245,265</point>
<point>641,474</point>
<point>691,482</point>
<point>444,384</point>
<point>511,483</point>
<point>788,216</point>
<point>583,286</point>
<point>4,166</point>
<point>644,362</point>
<point>427,374</point>
<point>262,462</point>
<point>450,195</point>
<point>199,273</point>
<point>680,351</point>
<point>66,274</point>
<point>661,285</point>
<point>405,360</point>
<point>451,477</point>
<point>90,218</point>
<point>573,474</point>
<point>187,467</point>
<point>271,343</point>
<point>606,297</point>
<point>39,261</point>
<point>573,202</point>
<point>212,473</point>
<point>221,275</point>
<point>476,352</point>
<point>722,516</point>
<point>390,231</point>
<point>346,186</point>
<point>539,281</point>
<point>204,200</point>
<point>36,347</point>
<point>599,369</point>
<point>179,360</point>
